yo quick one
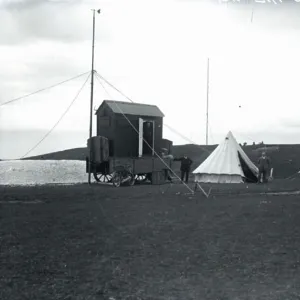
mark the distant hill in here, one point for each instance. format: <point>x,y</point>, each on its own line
<point>193,151</point>
<point>69,154</point>
<point>285,158</point>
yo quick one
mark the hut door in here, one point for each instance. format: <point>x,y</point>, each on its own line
<point>141,131</point>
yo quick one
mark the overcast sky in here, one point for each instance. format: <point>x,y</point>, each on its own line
<point>156,52</point>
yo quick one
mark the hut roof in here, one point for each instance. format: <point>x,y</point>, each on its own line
<point>128,108</point>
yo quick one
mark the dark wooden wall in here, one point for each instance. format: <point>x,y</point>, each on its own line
<point>123,139</point>
<point>105,126</point>
<point>126,139</point>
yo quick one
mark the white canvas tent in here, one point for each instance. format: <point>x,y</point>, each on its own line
<point>228,163</point>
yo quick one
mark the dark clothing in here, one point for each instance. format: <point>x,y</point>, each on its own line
<point>263,168</point>
<point>264,163</point>
<point>186,175</point>
<point>262,173</point>
<point>185,163</point>
<point>185,167</point>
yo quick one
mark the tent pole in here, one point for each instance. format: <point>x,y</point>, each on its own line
<point>207,100</point>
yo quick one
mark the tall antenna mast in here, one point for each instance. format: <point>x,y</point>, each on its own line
<point>92,98</point>
<point>207,100</point>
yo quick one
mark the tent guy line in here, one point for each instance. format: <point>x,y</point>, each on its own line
<point>43,89</point>
<point>61,117</point>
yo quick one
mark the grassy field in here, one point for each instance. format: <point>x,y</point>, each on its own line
<point>285,158</point>
<point>81,242</point>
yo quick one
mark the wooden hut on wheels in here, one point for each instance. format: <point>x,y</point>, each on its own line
<point>128,125</point>
<point>129,134</point>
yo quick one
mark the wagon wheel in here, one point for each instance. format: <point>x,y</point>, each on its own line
<point>99,177</point>
<point>139,178</point>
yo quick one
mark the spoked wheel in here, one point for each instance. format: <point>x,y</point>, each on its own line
<point>139,178</point>
<point>102,178</point>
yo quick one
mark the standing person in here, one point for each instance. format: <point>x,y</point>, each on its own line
<point>185,167</point>
<point>166,155</point>
<point>264,165</point>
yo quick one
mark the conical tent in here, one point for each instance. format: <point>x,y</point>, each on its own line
<point>228,163</point>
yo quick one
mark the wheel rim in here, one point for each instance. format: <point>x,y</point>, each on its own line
<point>140,178</point>
<point>102,178</point>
